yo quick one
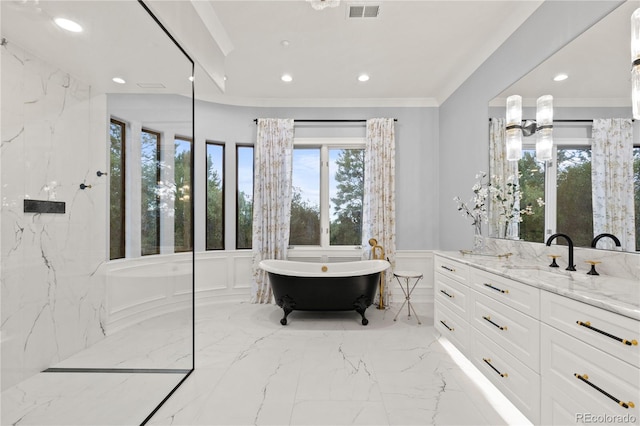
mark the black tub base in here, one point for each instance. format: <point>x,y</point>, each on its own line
<point>324,293</point>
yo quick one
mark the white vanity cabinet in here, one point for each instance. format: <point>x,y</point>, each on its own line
<point>590,364</point>
<point>505,337</point>
<point>451,301</point>
<point>559,360</point>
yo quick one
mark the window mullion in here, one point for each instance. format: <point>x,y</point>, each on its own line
<point>551,186</point>
<point>324,197</point>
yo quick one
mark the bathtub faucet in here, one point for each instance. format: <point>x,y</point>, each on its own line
<point>377,252</point>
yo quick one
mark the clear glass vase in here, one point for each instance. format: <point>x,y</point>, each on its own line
<point>478,238</point>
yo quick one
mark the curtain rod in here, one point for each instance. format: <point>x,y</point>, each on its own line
<point>577,120</point>
<point>255,120</point>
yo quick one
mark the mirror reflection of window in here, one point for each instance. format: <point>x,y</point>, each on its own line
<point>532,186</point>
<point>150,200</point>
<point>636,180</point>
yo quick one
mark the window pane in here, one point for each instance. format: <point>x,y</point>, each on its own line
<point>182,204</point>
<point>305,201</point>
<point>532,177</point>
<point>215,198</point>
<point>575,212</point>
<point>150,159</point>
<point>244,200</point>
<point>636,179</point>
<point>116,189</point>
<point>346,189</point>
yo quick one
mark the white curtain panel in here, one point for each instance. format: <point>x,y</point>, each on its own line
<point>379,206</point>
<point>271,199</point>
<point>501,171</point>
<point>612,181</point>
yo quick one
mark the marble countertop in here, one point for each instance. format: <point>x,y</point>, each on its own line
<point>613,294</point>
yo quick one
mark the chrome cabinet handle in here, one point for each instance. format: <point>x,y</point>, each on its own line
<point>496,288</point>
<point>501,327</point>
<point>584,378</point>
<point>446,294</point>
<point>587,324</point>
<point>445,324</point>
<point>488,362</point>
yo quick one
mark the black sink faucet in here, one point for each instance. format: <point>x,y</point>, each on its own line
<point>613,237</point>
<point>571,266</point>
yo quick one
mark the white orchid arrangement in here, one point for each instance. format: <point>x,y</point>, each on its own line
<point>478,212</point>
<point>505,198</point>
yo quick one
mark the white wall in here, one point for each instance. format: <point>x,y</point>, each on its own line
<point>463,124</point>
<point>53,139</point>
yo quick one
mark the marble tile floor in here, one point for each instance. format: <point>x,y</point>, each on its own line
<point>320,369</point>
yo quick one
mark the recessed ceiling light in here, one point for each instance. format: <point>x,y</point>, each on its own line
<point>285,43</point>
<point>118,80</point>
<point>69,25</point>
<point>363,77</point>
<point>560,77</point>
<point>286,78</point>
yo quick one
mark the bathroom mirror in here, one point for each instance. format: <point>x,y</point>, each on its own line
<point>597,64</point>
<point>97,294</point>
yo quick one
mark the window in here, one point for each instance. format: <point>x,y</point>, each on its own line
<point>215,196</point>
<point>244,198</point>
<point>150,196</point>
<point>182,202</point>
<point>328,189</point>
<point>116,190</point>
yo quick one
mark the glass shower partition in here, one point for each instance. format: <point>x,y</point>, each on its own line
<point>97,319</point>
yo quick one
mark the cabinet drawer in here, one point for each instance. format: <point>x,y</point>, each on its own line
<point>595,326</point>
<point>514,379</point>
<point>605,378</point>
<point>451,326</point>
<point>452,294</point>
<point>451,268</point>
<point>521,297</point>
<point>517,333</point>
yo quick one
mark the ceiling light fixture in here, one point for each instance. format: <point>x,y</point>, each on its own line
<point>635,63</point>
<point>363,77</point>
<point>286,78</point>
<point>543,126</point>
<point>69,25</point>
<point>560,77</point>
<point>322,4</point>
<point>118,80</point>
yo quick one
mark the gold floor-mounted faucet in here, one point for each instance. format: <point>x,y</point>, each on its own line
<point>377,252</point>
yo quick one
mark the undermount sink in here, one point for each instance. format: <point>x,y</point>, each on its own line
<point>536,271</point>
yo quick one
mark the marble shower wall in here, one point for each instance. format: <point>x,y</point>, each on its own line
<point>54,133</point>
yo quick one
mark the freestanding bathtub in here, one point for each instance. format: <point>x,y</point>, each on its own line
<point>312,286</point>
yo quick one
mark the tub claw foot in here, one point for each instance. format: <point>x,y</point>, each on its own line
<point>360,305</point>
<point>287,304</point>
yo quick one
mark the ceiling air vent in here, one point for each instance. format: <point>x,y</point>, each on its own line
<point>364,11</point>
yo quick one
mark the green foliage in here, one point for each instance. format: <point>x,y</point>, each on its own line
<point>116,189</point>
<point>636,180</point>
<point>305,221</point>
<point>182,197</point>
<point>150,200</point>
<point>244,229</point>
<point>215,211</point>
<point>346,228</point>
<point>574,205</point>
<point>532,189</point>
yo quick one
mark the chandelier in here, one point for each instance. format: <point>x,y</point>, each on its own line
<point>322,4</point>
